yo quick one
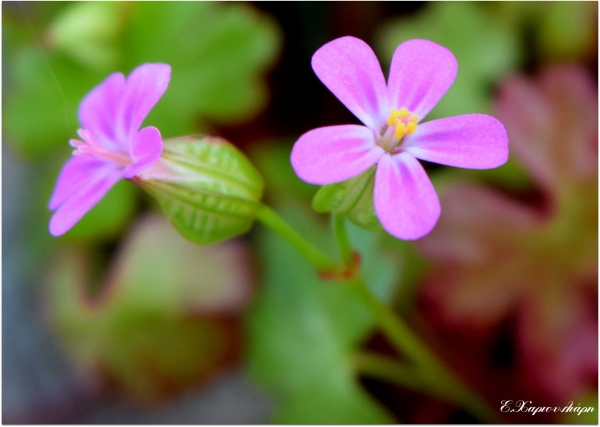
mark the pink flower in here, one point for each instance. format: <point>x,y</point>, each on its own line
<point>392,136</point>
<point>113,146</point>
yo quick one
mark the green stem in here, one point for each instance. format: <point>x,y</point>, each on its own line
<point>384,368</point>
<point>432,370</point>
<point>272,220</point>
<point>435,375</point>
<point>341,237</point>
<point>400,373</point>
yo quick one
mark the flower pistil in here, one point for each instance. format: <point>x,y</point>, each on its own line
<point>401,122</point>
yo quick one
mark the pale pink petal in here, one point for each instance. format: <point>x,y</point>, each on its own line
<point>145,149</point>
<point>350,69</point>
<point>474,141</point>
<point>79,203</point>
<point>334,154</point>
<point>405,200</point>
<point>98,110</point>
<point>144,87</point>
<point>420,74</point>
<point>75,175</point>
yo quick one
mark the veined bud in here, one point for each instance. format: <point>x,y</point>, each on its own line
<point>353,198</point>
<point>206,186</point>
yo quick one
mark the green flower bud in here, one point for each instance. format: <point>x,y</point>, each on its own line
<point>353,198</point>
<point>206,186</point>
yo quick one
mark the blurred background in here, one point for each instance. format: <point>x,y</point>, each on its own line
<point>121,320</point>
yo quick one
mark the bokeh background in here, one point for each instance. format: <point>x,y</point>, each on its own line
<point>123,321</point>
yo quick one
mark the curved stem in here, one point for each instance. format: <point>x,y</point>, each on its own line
<point>432,371</point>
<point>387,369</point>
<point>384,368</point>
<point>431,376</point>
<point>272,220</point>
<point>341,238</point>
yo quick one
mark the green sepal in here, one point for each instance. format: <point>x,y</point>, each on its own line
<point>206,186</point>
<point>353,198</point>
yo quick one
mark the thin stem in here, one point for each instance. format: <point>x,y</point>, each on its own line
<point>432,371</point>
<point>387,369</point>
<point>272,220</point>
<point>384,368</point>
<point>341,238</point>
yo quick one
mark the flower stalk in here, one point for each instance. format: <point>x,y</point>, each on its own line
<point>271,219</point>
<point>425,372</point>
<point>429,374</point>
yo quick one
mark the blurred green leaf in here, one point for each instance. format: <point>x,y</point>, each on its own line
<point>272,158</point>
<point>41,109</point>
<point>165,317</point>
<point>303,330</point>
<point>206,186</point>
<point>218,53</point>
<point>485,50</point>
<point>558,30</point>
<point>88,32</point>
<point>353,198</point>
<point>568,30</point>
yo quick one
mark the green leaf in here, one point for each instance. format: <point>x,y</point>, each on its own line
<point>273,159</point>
<point>166,316</point>
<point>88,33</point>
<point>485,50</point>
<point>568,31</point>
<point>218,52</point>
<point>206,186</point>
<point>219,55</point>
<point>44,100</point>
<point>353,198</point>
<point>303,330</point>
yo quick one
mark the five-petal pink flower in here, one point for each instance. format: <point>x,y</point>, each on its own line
<point>112,145</point>
<point>393,136</point>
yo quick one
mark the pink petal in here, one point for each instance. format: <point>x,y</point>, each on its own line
<point>145,149</point>
<point>75,175</point>
<point>474,141</point>
<point>79,203</point>
<point>421,73</point>
<point>144,87</point>
<point>334,154</point>
<point>405,200</point>
<point>350,69</point>
<point>98,110</point>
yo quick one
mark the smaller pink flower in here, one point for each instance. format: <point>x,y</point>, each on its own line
<point>112,145</point>
<point>393,136</point>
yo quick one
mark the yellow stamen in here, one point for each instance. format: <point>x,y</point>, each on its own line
<point>403,121</point>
